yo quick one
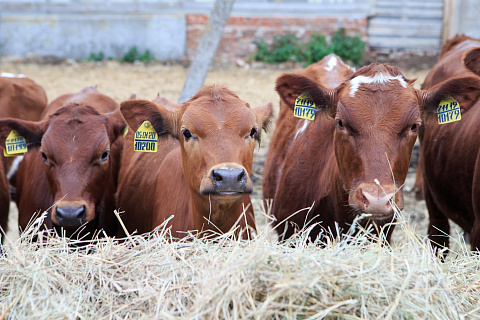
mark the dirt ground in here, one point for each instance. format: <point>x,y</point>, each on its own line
<point>119,81</point>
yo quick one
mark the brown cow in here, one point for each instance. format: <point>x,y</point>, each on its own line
<point>20,98</point>
<point>354,162</point>
<point>72,163</point>
<point>201,172</point>
<point>451,151</point>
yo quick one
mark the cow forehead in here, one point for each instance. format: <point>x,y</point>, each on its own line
<point>234,115</point>
<point>379,79</point>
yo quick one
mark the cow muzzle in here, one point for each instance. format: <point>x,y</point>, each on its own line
<point>226,180</point>
<point>376,200</point>
<point>70,214</point>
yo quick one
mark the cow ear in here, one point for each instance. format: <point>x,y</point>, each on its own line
<point>31,131</point>
<point>135,112</point>
<point>264,115</point>
<point>465,90</point>
<point>290,85</point>
<point>115,125</point>
<point>472,60</point>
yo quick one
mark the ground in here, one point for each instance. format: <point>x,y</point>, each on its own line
<point>254,84</point>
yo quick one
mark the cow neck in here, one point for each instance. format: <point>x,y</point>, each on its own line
<point>210,215</point>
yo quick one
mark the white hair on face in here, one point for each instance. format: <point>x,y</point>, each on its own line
<point>302,129</point>
<point>11,75</point>
<point>14,167</point>
<point>332,62</point>
<point>377,78</point>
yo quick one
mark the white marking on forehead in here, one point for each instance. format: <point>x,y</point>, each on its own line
<point>332,62</point>
<point>11,75</point>
<point>302,129</point>
<point>377,78</point>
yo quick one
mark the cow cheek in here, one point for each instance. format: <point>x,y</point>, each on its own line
<point>346,154</point>
<point>194,166</point>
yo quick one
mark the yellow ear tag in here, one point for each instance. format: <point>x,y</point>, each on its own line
<point>304,107</point>
<point>125,130</point>
<point>145,138</point>
<point>448,110</point>
<point>15,145</point>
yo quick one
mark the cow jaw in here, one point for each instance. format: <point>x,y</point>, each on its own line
<point>226,182</point>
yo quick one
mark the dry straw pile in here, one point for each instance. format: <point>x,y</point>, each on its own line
<point>151,277</point>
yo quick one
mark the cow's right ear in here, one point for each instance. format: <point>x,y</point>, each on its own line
<point>290,85</point>
<point>464,89</point>
<point>136,112</point>
<point>31,131</point>
<point>472,60</point>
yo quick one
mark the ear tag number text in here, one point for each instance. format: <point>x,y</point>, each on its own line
<point>145,138</point>
<point>15,145</point>
<point>304,107</point>
<point>448,111</point>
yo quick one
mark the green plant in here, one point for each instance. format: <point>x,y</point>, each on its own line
<point>133,55</point>
<point>288,47</point>
<point>284,48</point>
<point>96,56</point>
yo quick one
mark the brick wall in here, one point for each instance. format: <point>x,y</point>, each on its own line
<point>241,32</point>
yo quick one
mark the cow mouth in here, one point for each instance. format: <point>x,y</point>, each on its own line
<point>378,216</point>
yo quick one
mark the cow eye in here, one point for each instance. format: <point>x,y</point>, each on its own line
<point>104,156</point>
<point>44,156</point>
<point>253,132</point>
<point>187,134</point>
<point>414,127</point>
<point>340,124</point>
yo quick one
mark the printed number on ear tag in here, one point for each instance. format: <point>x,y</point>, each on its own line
<point>448,111</point>
<point>304,107</point>
<point>145,138</point>
<point>15,145</point>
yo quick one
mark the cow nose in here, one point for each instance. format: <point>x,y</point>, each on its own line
<point>229,176</point>
<point>71,215</point>
<point>380,203</point>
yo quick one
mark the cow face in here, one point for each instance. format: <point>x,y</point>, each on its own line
<point>74,144</point>
<point>217,133</point>
<point>377,113</point>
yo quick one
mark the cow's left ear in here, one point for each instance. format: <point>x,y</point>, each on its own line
<point>135,112</point>
<point>264,115</point>
<point>290,85</point>
<point>472,60</point>
<point>30,130</point>
<point>115,125</point>
<point>464,89</point>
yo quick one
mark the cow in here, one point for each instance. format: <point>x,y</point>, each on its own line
<point>351,161</point>
<point>450,151</point>
<point>21,98</point>
<point>200,174</point>
<point>71,168</point>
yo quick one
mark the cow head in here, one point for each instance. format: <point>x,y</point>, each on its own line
<point>74,146</point>
<point>217,133</point>
<point>377,113</point>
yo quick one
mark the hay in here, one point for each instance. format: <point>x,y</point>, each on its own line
<point>350,278</point>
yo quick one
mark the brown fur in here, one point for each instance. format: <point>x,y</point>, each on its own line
<point>20,98</point>
<point>333,164</point>
<point>177,180</point>
<point>76,132</point>
<point>450,152</point>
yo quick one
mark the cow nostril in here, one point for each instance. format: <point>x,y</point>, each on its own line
<point>242,176</point>
<point>81,212</point>
<point>216,176</point>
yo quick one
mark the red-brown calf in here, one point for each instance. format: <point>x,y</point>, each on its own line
<point>20,98</point>
<point>72,163</point>
<point>201,172</point>
<point>352,162</point>
<point>451,160</point>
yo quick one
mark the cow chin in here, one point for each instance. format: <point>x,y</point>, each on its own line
<point>376,202</point>
<point>72,214</point>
